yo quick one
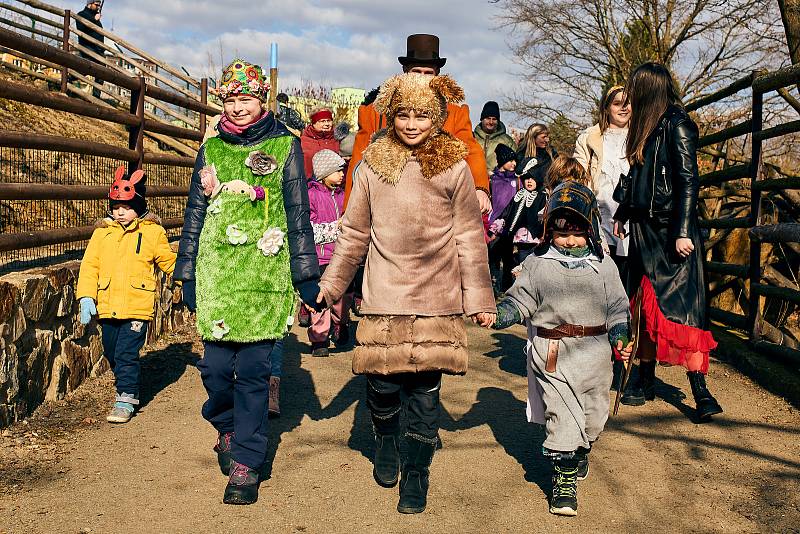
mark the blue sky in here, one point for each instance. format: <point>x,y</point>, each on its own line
<point>336,42</point>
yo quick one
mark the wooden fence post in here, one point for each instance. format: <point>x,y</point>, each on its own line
<point>204,100</point>
<point>755,211</point>
<point>136,133</point>
<point>65,47</point>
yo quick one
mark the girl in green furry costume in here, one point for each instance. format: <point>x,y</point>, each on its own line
<point>246,246</point>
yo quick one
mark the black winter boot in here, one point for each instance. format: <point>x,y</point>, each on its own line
<point>564,500</point>
<point>386,468</point>
<point>643,388</point>
<point>414,483</point>
<point>582,455</point>
<point>242,485</point>
<point>707,405</point>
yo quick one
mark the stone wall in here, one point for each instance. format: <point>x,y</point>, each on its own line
<point>45,352</point>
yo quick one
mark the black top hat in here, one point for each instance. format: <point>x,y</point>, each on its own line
<point>422,49</point>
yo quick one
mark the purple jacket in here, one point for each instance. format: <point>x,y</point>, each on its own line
<point>505,185</point>
<point>326,209</point>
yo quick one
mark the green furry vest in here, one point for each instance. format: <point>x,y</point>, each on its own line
<point>243,293</point>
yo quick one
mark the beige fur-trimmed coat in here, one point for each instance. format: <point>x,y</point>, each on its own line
<point>416,220</point>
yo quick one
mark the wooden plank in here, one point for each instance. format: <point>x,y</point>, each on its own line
<point>64,144</point>
<point>172,131</point>
<point>24,240</point>
<point>43,6</point>
<point>734,222</point>
<point>779,352</point>
<point>31,95</point>
<point>30,72</point>
<point>172,98</point>
<point>776,233</point>
<point>736,172</point>
<point>777,131</point>
<point>84,66</point>
<point>29,191</point>
<point>33,16</point>
<point>743,128</point>
<point>725,92</point>
<point>728,318</point>
<point>783,293</point>
<point>29,29</point>
<point>730,269</point>
<point>775,80</point>
<point>154,158</point>
<point>777,184</point>
<point>23,55</point>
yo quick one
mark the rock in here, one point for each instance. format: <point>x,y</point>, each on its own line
<point>67,302</point>
<point>36,295</point>
<point>57,389</point>
<point>9,300</point>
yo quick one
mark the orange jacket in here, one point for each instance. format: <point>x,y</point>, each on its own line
<point>457,124</point>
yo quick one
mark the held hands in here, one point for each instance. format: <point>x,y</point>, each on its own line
<point>484,319</point>
<point>684,246</point>
<point>88,309</point>
<point>624,353</point>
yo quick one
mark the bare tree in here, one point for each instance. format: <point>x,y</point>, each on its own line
<point>570,51</point>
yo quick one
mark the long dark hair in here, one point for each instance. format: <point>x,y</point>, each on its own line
<point>650,91</point>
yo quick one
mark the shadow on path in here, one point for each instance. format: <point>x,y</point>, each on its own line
<point>505,416</point>
<point>161,368</point>
<point>510,349</point>
<point>298,398</point>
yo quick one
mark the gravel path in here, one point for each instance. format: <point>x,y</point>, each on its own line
<point>66,470</point>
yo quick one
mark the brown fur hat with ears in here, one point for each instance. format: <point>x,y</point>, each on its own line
<point>429,94</point>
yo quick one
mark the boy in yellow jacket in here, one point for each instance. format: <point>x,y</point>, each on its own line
<point>117,282</point>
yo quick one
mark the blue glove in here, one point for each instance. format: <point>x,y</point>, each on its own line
<point>87,309</point>
<point>189,296</point>
<point>309,290</point>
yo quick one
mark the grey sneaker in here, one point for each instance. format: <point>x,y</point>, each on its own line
<point>123,408</point>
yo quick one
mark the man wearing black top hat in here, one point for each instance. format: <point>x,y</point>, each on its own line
<point>422,56</point>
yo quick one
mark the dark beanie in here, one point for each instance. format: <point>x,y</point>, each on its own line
<point>491,109</point>
<point>504,154</point>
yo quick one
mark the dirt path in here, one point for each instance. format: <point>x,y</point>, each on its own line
<point>68,471</point>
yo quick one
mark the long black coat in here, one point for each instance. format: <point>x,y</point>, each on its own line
<point>86,23</point>
<point>659,199</point>
<point>303,255</point>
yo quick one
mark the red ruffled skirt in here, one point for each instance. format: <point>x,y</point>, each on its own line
<point>674,342</point>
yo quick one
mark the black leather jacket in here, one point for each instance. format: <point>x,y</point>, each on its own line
<point>666,185</point>
<point>303,255</point>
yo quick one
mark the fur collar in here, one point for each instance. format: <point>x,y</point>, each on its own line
<point>105,222</point>
<point>387,156</point>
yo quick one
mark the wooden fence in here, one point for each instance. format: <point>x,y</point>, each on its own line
<point>169,90</point>
<point>130,94</point>
<point>761,281</point>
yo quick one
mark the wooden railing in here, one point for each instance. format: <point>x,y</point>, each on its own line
<point>133,117</point>
<point>762,281</point>
<point>173,94</point>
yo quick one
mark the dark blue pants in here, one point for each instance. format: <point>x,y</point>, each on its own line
<point>122,341</point>
<point>236,377</point>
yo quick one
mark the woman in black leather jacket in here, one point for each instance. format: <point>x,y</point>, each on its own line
<point>658,201</point>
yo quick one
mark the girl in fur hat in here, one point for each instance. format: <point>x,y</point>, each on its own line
<point>414,216</point>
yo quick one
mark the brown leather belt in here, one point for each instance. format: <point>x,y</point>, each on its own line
<point>571,330</point>
<point>562,331</point>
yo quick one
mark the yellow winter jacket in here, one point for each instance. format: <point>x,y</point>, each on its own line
<point>118,268</point>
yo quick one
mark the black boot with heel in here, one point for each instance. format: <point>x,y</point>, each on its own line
<point>707,405</point>
<point>643,388</point>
